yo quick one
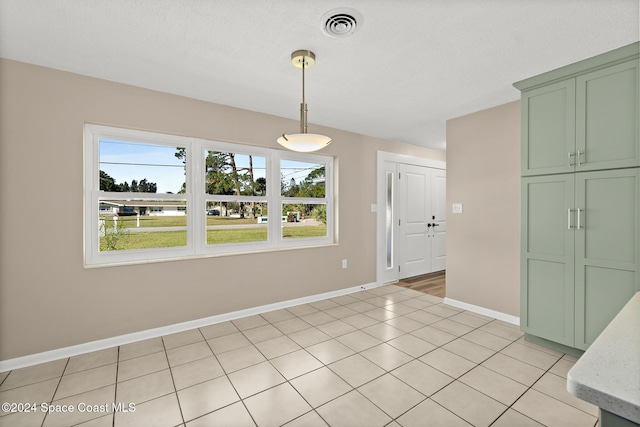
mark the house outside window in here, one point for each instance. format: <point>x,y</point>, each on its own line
<point>151,196</point>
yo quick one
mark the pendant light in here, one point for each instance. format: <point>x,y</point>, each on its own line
<point>303,142</point>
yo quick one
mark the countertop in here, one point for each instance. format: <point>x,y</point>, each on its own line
<point>608,373</point>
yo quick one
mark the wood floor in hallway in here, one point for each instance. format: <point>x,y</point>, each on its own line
<point>432,283</point>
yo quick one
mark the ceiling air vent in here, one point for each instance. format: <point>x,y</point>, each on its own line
<point>341,22</point>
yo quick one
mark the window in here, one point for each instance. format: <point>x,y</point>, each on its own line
<point>235,187</point>
<point>304,199</point>
<point>151,196</point>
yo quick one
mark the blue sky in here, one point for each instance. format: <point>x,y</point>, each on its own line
<point>126,161</point>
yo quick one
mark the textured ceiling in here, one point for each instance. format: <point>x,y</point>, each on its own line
<point>409,67</point>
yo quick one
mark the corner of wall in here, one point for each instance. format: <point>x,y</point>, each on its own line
<point>483,242</point>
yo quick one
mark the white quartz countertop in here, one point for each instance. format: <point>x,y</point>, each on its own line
<point>608,373</point>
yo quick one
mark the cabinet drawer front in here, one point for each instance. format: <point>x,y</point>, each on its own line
<point>607,118</point>
<point>548,129</point>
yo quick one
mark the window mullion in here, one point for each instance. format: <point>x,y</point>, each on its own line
<point>109,195</point>
<point>275,211</point>
<point>194,196</point>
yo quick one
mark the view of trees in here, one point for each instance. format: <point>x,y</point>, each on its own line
<point>311,186</point>
<point>107,183</point>
<point>225,176</point>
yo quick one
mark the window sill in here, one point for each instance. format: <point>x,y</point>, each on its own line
<point>205,256</point>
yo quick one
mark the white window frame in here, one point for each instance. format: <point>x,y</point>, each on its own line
<point>196,199</point>
<point>327,199</point>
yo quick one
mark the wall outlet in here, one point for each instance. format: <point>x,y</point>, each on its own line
<point>457,208</point>
<point>344,263</point>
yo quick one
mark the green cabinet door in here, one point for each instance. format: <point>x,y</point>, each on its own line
<point>607,248</point>
<point>607,111</point>
<point>547,257</point>
<point>548,129</point>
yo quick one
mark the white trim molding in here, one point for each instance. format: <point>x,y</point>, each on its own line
<point>383,156</point>
<point>61,353</point>
<point>484,311</point>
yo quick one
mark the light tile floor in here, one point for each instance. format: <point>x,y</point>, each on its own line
<point>387,356</point>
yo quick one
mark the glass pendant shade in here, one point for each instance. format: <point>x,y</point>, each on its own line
<point>304,142</point>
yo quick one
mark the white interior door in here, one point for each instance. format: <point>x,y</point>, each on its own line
<point>415,242</point>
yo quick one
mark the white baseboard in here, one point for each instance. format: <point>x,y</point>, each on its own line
<point>484,311</point>
<point>61,353</point>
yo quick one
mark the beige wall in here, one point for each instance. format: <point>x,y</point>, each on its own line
<point>483,243</point>
<point>49,301</point>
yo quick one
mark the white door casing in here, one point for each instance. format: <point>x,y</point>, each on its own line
<point>439,219</point>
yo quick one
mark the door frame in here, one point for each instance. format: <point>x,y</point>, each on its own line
<point>382,157</point>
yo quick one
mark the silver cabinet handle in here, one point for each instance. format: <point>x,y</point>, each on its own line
<point>579,164</point>
<point>578,226</point>
<point>569,156</point>
<point>569,218</point>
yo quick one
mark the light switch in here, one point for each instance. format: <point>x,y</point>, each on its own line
<point>457,208</point>
<point>374,207</point>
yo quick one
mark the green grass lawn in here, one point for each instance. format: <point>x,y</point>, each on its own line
<point>238,235</point>
<point>153,221</point>
<point>154,239</point>
<point>305,231</point>
<point>168,239</point>
<point>178,221</point>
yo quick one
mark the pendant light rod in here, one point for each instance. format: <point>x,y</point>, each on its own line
<point>303,106</point>
<point>303,59</point>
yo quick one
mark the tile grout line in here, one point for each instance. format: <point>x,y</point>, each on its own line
<point>287,381</point>
<point>175,389</point>
<point>479,364</point>
<point>548,371</point>
<point>394,419</point>
<point>226,374</point>
<point>324,365</point>
<point>386,372</point>
<point>458,378</point>
<point>113,415</point>
<point>56,390</point>
<point>526,391</point>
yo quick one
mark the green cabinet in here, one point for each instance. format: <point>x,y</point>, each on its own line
<point>582,117</point>
<point>607,115</point>
<point>580,166</point>
<point>548,129</point>
<point>580,252</point>
<point>607,248</point>
<point>547,258</point>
